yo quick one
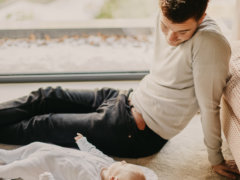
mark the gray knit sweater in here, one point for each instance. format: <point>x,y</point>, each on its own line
<point>183,79</point>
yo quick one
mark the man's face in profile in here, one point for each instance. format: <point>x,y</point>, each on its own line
<point>176,33</point>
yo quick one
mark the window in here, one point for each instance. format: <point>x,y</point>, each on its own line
<point>222,12</point>
<point>62,37</point>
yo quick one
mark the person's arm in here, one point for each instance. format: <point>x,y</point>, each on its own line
<point>211,55</point>
<point>84,145</point>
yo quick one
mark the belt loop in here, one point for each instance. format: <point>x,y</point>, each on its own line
<point>129,92</point>
<point>128,101</point>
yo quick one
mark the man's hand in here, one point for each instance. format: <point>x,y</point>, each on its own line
<point>227,168</point>
<point>79,136</point>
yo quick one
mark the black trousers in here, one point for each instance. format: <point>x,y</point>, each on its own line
<point>55,115</point>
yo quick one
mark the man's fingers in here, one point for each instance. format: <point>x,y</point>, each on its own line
<point>226,174</point>
<point>227,168</point>
<point>230,162</point>
<point>232,169</point>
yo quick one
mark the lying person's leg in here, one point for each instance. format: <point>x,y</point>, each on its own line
<point>54,128</point>
<point>52,100</point>
<point>111,128</point>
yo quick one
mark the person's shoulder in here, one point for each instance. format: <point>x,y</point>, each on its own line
<point>211,38</point>
<point>209,24</point>
<point>209,34</point>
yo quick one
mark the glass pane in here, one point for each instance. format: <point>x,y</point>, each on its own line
<point>223,12</point>
<point>79,52</point>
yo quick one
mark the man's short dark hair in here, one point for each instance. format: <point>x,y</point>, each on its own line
<point>179,11</point>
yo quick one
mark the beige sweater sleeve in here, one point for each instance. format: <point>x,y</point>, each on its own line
<point>211,54</point>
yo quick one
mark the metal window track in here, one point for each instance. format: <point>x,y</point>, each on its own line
<point>67,77</point>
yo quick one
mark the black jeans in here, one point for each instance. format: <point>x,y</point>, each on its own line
<point>55,115</point>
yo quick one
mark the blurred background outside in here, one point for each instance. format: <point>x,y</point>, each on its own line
<point>84,52</point>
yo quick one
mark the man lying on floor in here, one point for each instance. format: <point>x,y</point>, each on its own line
<point>51,162</point>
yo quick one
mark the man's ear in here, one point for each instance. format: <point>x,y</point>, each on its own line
<point>202,18</point>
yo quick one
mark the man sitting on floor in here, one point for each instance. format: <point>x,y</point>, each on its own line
<point>188,72</point>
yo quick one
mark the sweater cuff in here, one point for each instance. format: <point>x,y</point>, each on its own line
<point>215,157</point>
<point>81,143</point>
